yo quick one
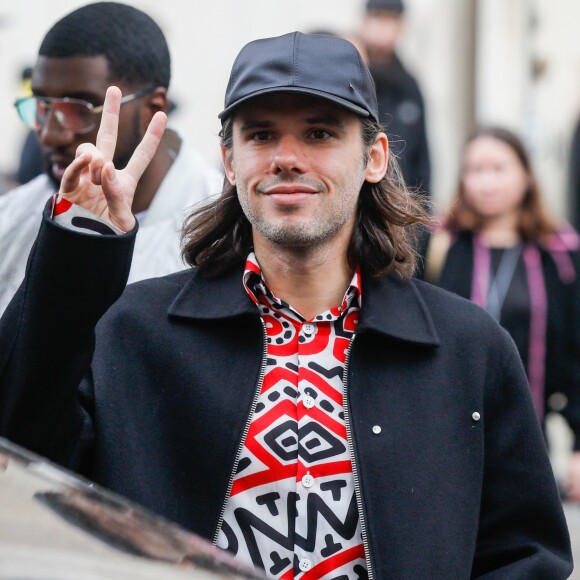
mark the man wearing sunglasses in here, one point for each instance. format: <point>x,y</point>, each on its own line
<point>81,55</point>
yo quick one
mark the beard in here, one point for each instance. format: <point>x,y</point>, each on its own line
<point>322,224</point>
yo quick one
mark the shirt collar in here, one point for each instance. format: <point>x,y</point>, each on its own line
<point>256,286</point>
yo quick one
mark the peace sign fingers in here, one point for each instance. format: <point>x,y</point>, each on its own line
<point>107,135</point>
<point>145,151</point>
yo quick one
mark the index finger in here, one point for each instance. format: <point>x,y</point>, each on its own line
<point>107,135</point>
<point>146,149</point>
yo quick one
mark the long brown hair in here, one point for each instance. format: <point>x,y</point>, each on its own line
<point>534,222</point>
<point>217,236</point>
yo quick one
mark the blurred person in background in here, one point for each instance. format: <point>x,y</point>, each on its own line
<point>80,56</point>
<point>31,162</point>
<point>401,106</point>
<point>500,248</point>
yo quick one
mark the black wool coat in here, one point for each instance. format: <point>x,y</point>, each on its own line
<point>456,485</point>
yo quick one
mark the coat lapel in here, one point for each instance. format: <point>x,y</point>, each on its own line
<point>210,299</point>
<point>394,307</point>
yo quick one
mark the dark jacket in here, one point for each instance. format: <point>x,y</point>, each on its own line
<point>402,113</point>
<point>175,363</point>
<point>560,267</point>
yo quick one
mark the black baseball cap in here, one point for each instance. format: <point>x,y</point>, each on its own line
<point>324,66</point>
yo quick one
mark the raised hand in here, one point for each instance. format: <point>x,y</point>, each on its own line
<point>91,180</point>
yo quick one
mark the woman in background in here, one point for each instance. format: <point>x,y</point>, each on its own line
<point>500,248</point>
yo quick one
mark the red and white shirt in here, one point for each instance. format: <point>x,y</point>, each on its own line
<point>292,509</point>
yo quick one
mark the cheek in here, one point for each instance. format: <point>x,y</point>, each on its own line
<point>519,185</point>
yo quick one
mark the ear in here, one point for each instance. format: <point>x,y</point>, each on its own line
<point>378,159</point>
<point>156,100</point>
<point>228,161</point>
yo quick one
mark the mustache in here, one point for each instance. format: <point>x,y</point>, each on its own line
<point>317,185</point>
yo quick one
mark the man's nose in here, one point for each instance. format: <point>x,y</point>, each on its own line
<point>52,133</point>
<point>289,156</point>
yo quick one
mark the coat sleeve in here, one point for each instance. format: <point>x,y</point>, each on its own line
<point>522,530</point>
<point>47,338</point>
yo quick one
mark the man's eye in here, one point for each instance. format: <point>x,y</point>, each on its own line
<point>261,136</point>
<point>320,134</point>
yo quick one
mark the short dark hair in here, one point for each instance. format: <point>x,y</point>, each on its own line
<point>130,40</point>
<point>218,236</point>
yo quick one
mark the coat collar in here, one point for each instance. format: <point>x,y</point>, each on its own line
<point>392,307</point>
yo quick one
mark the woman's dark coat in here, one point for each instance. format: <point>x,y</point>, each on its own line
<point>562,337</point>
<point>446,493</point>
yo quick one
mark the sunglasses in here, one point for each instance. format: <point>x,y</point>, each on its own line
<point>74,115</point>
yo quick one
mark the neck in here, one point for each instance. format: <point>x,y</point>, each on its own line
<point>156,171</point>
<point>312,280</point>
<point>501,231</point>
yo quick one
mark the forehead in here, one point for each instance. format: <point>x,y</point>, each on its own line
<point>487,147</point>
<point>61,77</point>
<point>290,107</point>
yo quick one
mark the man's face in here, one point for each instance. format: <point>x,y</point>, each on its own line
<point>298,164</point>
<point>84,78</point>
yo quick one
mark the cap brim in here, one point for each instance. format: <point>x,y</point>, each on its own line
<point>301,90</point>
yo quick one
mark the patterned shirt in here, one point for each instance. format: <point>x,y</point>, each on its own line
<point>292,509</point>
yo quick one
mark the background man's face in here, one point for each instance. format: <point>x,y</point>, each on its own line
<point>380,33</point>
<point>84,78</point>
<point>297,162</point>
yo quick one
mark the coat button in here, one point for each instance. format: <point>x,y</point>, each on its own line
<point>308,480</point>
<point>308,328</point>
<point>476,416</point>
<point>308,402</point>
<point>377,429</point>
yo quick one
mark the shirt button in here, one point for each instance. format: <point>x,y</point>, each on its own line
<point>305,565</point>
<point>308,328</point>
<point>308,402</point>
<point>308,480</point>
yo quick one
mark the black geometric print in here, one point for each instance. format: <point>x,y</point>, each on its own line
<point>269,500</point>
<point>328,373</point>
<point>244,463</point>
<point>334,487</point>
<point>278,563</point>
<point>249,524</point>
<point>289,429</point>
<point>334,446</point>
<point>92,225</point>
<point>331,547</point>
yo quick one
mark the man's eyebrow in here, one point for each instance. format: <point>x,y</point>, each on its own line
<point>331,120</point>
<point>251,124</point>
<point>83,96</point>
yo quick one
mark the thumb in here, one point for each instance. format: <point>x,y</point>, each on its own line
<point>119,199</point>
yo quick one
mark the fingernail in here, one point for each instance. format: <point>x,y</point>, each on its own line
<point>98,176</point>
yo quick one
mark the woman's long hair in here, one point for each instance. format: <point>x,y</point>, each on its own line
<point>218,235</point>
<point>534,222</point>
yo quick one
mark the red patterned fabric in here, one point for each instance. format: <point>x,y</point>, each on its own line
<point>292,508</point>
